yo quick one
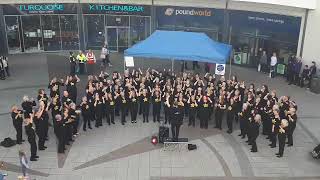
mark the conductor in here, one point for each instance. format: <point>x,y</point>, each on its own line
<point>176,117</point>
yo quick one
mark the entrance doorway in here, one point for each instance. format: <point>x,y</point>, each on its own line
<point>117,38</point>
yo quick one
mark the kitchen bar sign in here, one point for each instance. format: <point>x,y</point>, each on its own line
<point>129,9</point>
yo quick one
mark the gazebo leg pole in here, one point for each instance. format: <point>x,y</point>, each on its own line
<point>230,68</point>
<point>172,64</point>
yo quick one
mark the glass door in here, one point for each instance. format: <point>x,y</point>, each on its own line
<point>111,38</point>
<point>32,33</point>
<point>13,35</point>
<point>117,38</point>
<point>123,39</point>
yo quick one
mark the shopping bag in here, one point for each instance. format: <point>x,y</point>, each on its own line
<point>259,67</point>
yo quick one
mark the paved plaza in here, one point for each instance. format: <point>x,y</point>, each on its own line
<point>119,152</point>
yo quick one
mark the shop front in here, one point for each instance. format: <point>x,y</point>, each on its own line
<point>41,27</point>
<point>207,20</point>
<point>118,25</point>
<point>253,32</point>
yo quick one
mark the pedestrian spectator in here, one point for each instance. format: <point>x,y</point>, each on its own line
<point>91,61</point>
<point>312,73</point>
<point>105,56</point>
<point>290,67</point>
<point>82,60</point>
<point>73,63</point>
<point>297,69</point>
<point>6,65</point>
<point>273,64</point>
<point>304,75</point>
<point>2,70</point>
<point>263,62</point>
<point>23,162</point>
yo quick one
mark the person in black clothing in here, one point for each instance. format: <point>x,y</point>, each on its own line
<point>231,111</point>
<point>67,120</point>
<point>54,87</point>
<point>304,75</point>
<point>282,133</point>
<point>45,116</point>
<point>66,101</point>
<point>27,106</point>
<point>123,107</point>
<point>31,137</point>
<point>73,63</point>
<point>145,103</point>
<point>98,108</point>
<point>254,126</point>
<point>292,120</point>
<point>133,101</point>
<point>110,101</point>
<point>176,116</point>
<point>17,119</point>
<point>312,73</point>
<point>85,114</point>
<point>243,119</point>
<point>192,110</point>
<point>59,131</point>
<point>156,108</point>
<point>204,104</point>
<point>40,126</point>
<point>74,114</point>
<point>276,122</point>
<point>220,109</point>
<point>72,87</point>
<point>55,107</point>
<point>166,108</point>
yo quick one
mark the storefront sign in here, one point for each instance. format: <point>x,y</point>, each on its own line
<point>265,21</point>
<point>174,16</point>
<point>21,9</point>
<point>115,9</point>
<point>188,12</point>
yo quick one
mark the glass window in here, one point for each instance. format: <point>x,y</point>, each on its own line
<point>94,31</point>
<point>51,32</point>
<point>69,32</point>
<point>13,37</point>
<point>117,20</point>
<point>32,36</point>
<point>139,28</point>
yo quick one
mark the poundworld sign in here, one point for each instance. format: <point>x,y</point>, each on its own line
<point>115,9</point>
<point>188,12</point>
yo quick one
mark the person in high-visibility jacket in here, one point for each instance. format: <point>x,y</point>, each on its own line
<point>91,61</point>
<point>82,60</point>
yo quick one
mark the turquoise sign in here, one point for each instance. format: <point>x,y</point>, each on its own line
<point>41,7</point>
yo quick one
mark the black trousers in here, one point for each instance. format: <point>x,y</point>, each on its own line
<point>145,112</point>
<point>273,138</point>
<point>254,143</point>
<point>110,115</point>
<point>75,125</point>
<point>219,116</point>
<point>134,112</point>
<point>204,118</point>
<point>68,133</point>
<point>166,115</point>
<point>60,136</point>
<point>72,69</point>
<point>123,115</point>
<point>230,118</point>
<point>46,124</point>
<point>291,128</point>
<point>244,127</point>
<point>86,120</point>
<point>282,142</point>
<point>33,146</point>
<point>175,129</point>
<point>98,119</point>
<point>7,71</point>
<point>156,113</point>
<point>192,118</point>
<point>19,133</point>
<point>40,130</point>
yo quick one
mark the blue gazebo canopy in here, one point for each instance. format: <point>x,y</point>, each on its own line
<point>178,45</point>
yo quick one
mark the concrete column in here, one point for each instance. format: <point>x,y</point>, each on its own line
<point>3,36</point>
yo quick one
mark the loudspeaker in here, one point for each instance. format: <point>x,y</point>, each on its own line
<point>192,147</point>
<point>163,133</point>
